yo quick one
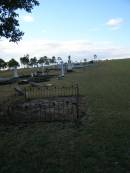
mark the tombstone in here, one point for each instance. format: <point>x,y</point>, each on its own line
<point>15,72</point>
<point>70,65</point>
<point>32,74</point>
<point>62,69</point>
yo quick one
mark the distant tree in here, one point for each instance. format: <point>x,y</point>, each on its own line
<point>59,58</point>
<point>53,60</point>
<point>9,17</point>
<point>50,60</point>
<point>95,57</point>
<point>45,58</point>
<point>3,64</point>
<point>13,63</point>
<point>41,61</point>
<point>25,60</point>
<point>85,60</point>
<point>33,62</point>
<point>47,62</point>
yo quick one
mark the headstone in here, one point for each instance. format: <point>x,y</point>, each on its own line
<point>62,69</point>
<point>15,72</point>
<point>70,66</point>
<point>32,74</point>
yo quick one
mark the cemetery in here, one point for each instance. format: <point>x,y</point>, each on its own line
<point>39,74</point>
<point>45,103</point>
<point>60,113</point>
<point>39,123</point>
<point>34,101</point>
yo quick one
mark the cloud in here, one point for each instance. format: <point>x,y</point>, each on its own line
<point>27,18</point>
<point>115,23</point>
<point>76,48</point>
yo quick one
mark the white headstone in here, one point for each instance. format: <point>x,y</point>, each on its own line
<point>15,72</point>
<point>70,66</point>
<point>32,75</point>
<point>62,69</point>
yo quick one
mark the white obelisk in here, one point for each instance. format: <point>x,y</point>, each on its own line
<point>70,68</point>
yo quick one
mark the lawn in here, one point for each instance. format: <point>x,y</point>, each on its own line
<point>100,145</point>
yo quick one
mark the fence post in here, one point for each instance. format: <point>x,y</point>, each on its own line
<point>77,100</point>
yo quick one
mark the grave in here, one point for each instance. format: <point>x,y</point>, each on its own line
<point>15,73</point>
<point>70,65</point>
<point>44,103</point>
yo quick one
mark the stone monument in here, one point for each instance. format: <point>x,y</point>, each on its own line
<point>15,72</point>
<point>62,69</point>
<point>70,65</point>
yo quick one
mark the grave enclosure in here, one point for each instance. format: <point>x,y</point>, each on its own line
<point>46,103</point>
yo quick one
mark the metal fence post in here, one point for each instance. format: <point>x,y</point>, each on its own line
<point>77,99</point>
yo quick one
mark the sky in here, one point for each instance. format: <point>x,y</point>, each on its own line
<point>80,28</point>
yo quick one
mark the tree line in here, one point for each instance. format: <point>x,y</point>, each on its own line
<point>26,62</point>
<point>34,62</point>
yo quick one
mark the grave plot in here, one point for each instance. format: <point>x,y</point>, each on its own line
<point>55,109</point>
<point>54,104</point>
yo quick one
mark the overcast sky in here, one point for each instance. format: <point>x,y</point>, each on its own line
<point>79,28</point>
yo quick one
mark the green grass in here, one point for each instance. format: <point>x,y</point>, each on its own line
<point>100,145</point>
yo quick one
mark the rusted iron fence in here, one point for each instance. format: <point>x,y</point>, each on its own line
<point>59,109</point>
<point>51,91</point>
<point>46,104</point>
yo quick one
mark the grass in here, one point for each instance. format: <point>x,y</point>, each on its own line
<point>100,145</point>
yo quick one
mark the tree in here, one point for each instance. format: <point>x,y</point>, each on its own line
<point>53,59</point>
<point>25,60</point>
<point>33,62</point>
<point>3,64</point>
<point>9,23</point>
<point>47,62</point>
<point>41,61</point>
<point>45,58</point>
<point>85,60</point>
<point>95,57</point>
<point>13,63</point>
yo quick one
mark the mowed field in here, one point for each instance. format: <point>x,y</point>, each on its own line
<point>100,145</point>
